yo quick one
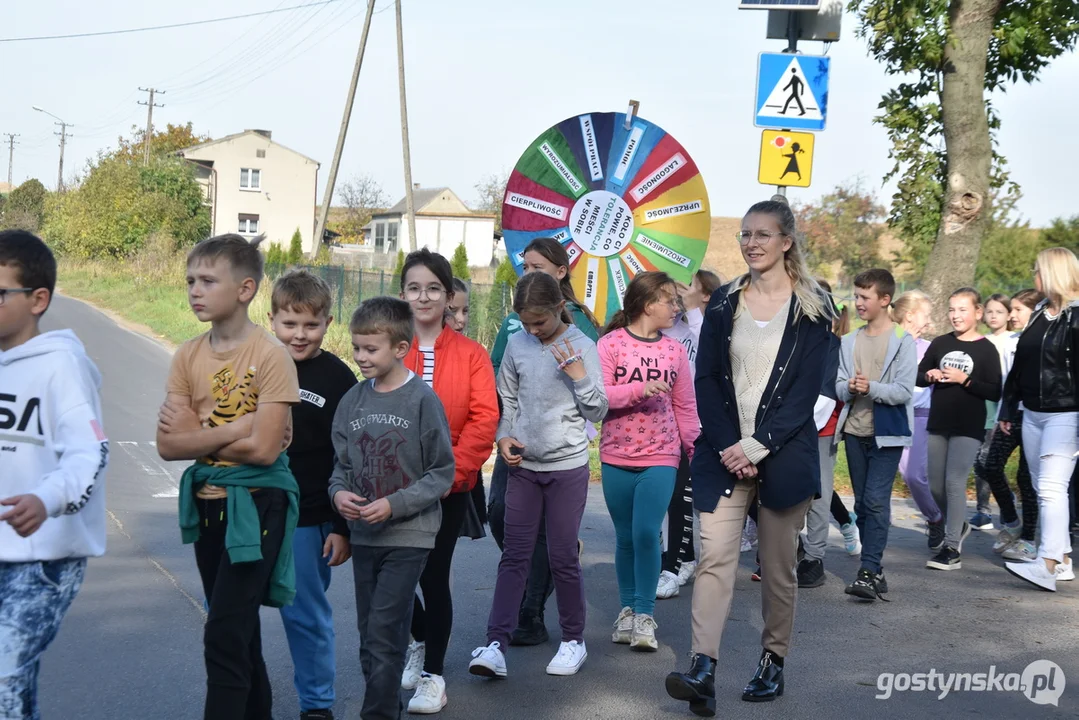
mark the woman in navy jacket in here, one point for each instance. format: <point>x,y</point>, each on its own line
<point>764,351</point>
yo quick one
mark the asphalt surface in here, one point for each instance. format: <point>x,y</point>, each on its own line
<point>131,646</point>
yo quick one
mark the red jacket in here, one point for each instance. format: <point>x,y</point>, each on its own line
<point>465,383</point>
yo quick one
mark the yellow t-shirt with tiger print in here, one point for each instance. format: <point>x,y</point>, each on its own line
<point>226,386</point>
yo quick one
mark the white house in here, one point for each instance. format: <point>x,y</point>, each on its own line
<point>442,223</point>
<point>257,186</point>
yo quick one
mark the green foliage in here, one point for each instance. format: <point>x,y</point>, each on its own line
<point>162,142</point>
<point>295,249</point>
<point>323,257</point>
<point>505,274</point>
<point>842,231</point>
<point>909,37</point>
<point>1063,233</point>
<point>24,207</point>
<point>119,204</point>
<point>459,263</point>
<point>400,267</point>
<point>275,255</point>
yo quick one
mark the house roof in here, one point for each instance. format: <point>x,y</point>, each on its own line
<point>420,198</point>
<point>227,138</point>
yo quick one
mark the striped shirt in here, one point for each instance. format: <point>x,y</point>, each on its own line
<point>428,364</point>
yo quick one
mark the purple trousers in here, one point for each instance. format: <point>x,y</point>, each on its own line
<point>530,496</point>
<point>914,467</point>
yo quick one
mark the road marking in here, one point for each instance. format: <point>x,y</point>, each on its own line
<point>197,604</point>
<point>145,455</point>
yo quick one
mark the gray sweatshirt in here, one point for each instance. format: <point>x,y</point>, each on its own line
<point>394,445</point>
<point>542,408</point>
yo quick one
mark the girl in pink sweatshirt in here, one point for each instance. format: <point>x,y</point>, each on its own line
<point>651,421</point>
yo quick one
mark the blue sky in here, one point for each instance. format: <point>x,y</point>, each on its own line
<point>484,77</point>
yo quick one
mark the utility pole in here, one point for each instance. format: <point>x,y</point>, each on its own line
<point>404,132</point>
<point>150,105</point>
<point>63,141</point>
<point>331,179</point>
<point>10,155</point>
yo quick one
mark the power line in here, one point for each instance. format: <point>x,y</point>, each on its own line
<point>165,27</point>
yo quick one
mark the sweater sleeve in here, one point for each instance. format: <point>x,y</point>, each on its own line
<point>507,384</point>
<point>499,349</point>
<point>619,395</point>
<point>474,443</point>
<point>930,361</point>
<point>437,452</point>
<point>341,478</point>
<point>843,371</point>
<point>590,390</point>
<point>985,382</point>
<point>685,403</point>
<point>901,390</point>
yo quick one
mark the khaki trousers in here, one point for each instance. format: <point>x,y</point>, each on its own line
<point>713,588</point>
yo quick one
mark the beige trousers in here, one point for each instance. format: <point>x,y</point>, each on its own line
<point>713,588</point>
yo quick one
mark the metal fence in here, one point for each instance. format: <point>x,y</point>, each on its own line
<point>489,304</point>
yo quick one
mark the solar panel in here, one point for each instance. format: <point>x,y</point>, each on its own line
<point>779,4</point>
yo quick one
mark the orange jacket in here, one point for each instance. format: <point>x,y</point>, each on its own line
<point>465,383</point>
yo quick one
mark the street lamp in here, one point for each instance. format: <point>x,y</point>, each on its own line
<point>63,140</point>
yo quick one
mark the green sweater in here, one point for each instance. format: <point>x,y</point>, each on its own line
<point>512,325</point>
<point>243,536</point>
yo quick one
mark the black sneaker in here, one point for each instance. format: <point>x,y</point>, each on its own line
<point>963,536</point>
<point>946,559</point>
<point>864,586</point>
<point>882,583</point>
<point>935,532</point>
<point>326,714</point>
<point>810,573</point>
<point>531,630</point>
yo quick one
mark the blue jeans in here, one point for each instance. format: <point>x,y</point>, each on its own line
<point>34,596</point>
<point>637,501</point>
<point>872,475</point>
<point>308,620</point>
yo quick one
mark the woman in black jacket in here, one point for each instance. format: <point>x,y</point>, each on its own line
<point>763,353</point>
<point>1043,379</point>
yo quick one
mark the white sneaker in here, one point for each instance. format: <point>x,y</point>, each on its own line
<point>623,627</point>
<point>1034,573</point>
<point>1022,551</point>
<point>668,585</point>
<point>488,661</point>
<point>569,659</point>
<point>430,696</point>
<point>687,572</point>
<point>1065,572</point>
<point>644,633</point>
<point>852,543</point>
<point>1007,536</point>
<point>414,659</point>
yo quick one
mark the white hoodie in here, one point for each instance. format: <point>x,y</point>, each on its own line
<point>52,445</point>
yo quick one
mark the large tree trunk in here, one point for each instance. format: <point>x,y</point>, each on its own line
<point>966,210</point>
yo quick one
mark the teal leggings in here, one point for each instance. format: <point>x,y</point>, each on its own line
<point>637,501</point>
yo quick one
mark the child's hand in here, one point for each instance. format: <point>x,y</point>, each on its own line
<point>655,387</point>
<point>337,549</point>
<point>571,362</point>
<point>376,512</point>
<point>934,376</point>
<point>26,515</point>
<point>692,298</point>
<point>954,375</point>
<point>177,418</point>
<point>348,504</point>
<point>1005,427</point>
<point>861,384</point>
<point>505,446</point>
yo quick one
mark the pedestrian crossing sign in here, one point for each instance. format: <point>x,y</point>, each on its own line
<point>786,158</point>
<point>792,91</point>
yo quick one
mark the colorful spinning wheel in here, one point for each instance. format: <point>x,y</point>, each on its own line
<point>621,202</point>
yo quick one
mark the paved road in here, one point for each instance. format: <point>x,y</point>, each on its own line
<point>131,645</point>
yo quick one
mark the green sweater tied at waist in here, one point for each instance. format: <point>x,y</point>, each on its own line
<point>243,535</point>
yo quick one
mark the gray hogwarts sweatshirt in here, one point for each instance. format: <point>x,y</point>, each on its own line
<point>542,408</point>
<point>394,445</point>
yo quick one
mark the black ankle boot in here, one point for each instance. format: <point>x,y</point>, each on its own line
<point>767,682</point>
<point>698,686</point>
<point>531,629</point>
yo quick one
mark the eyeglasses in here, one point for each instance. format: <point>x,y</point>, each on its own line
<point>5,291</point>
<point>762,237</point>
<point>415,292</point>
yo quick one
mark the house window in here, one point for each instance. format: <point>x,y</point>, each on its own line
<point>391,236</point>
<point>380,237</point>
<point>260,153</point>
<point>249,224</point>
<point>250,179</point>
